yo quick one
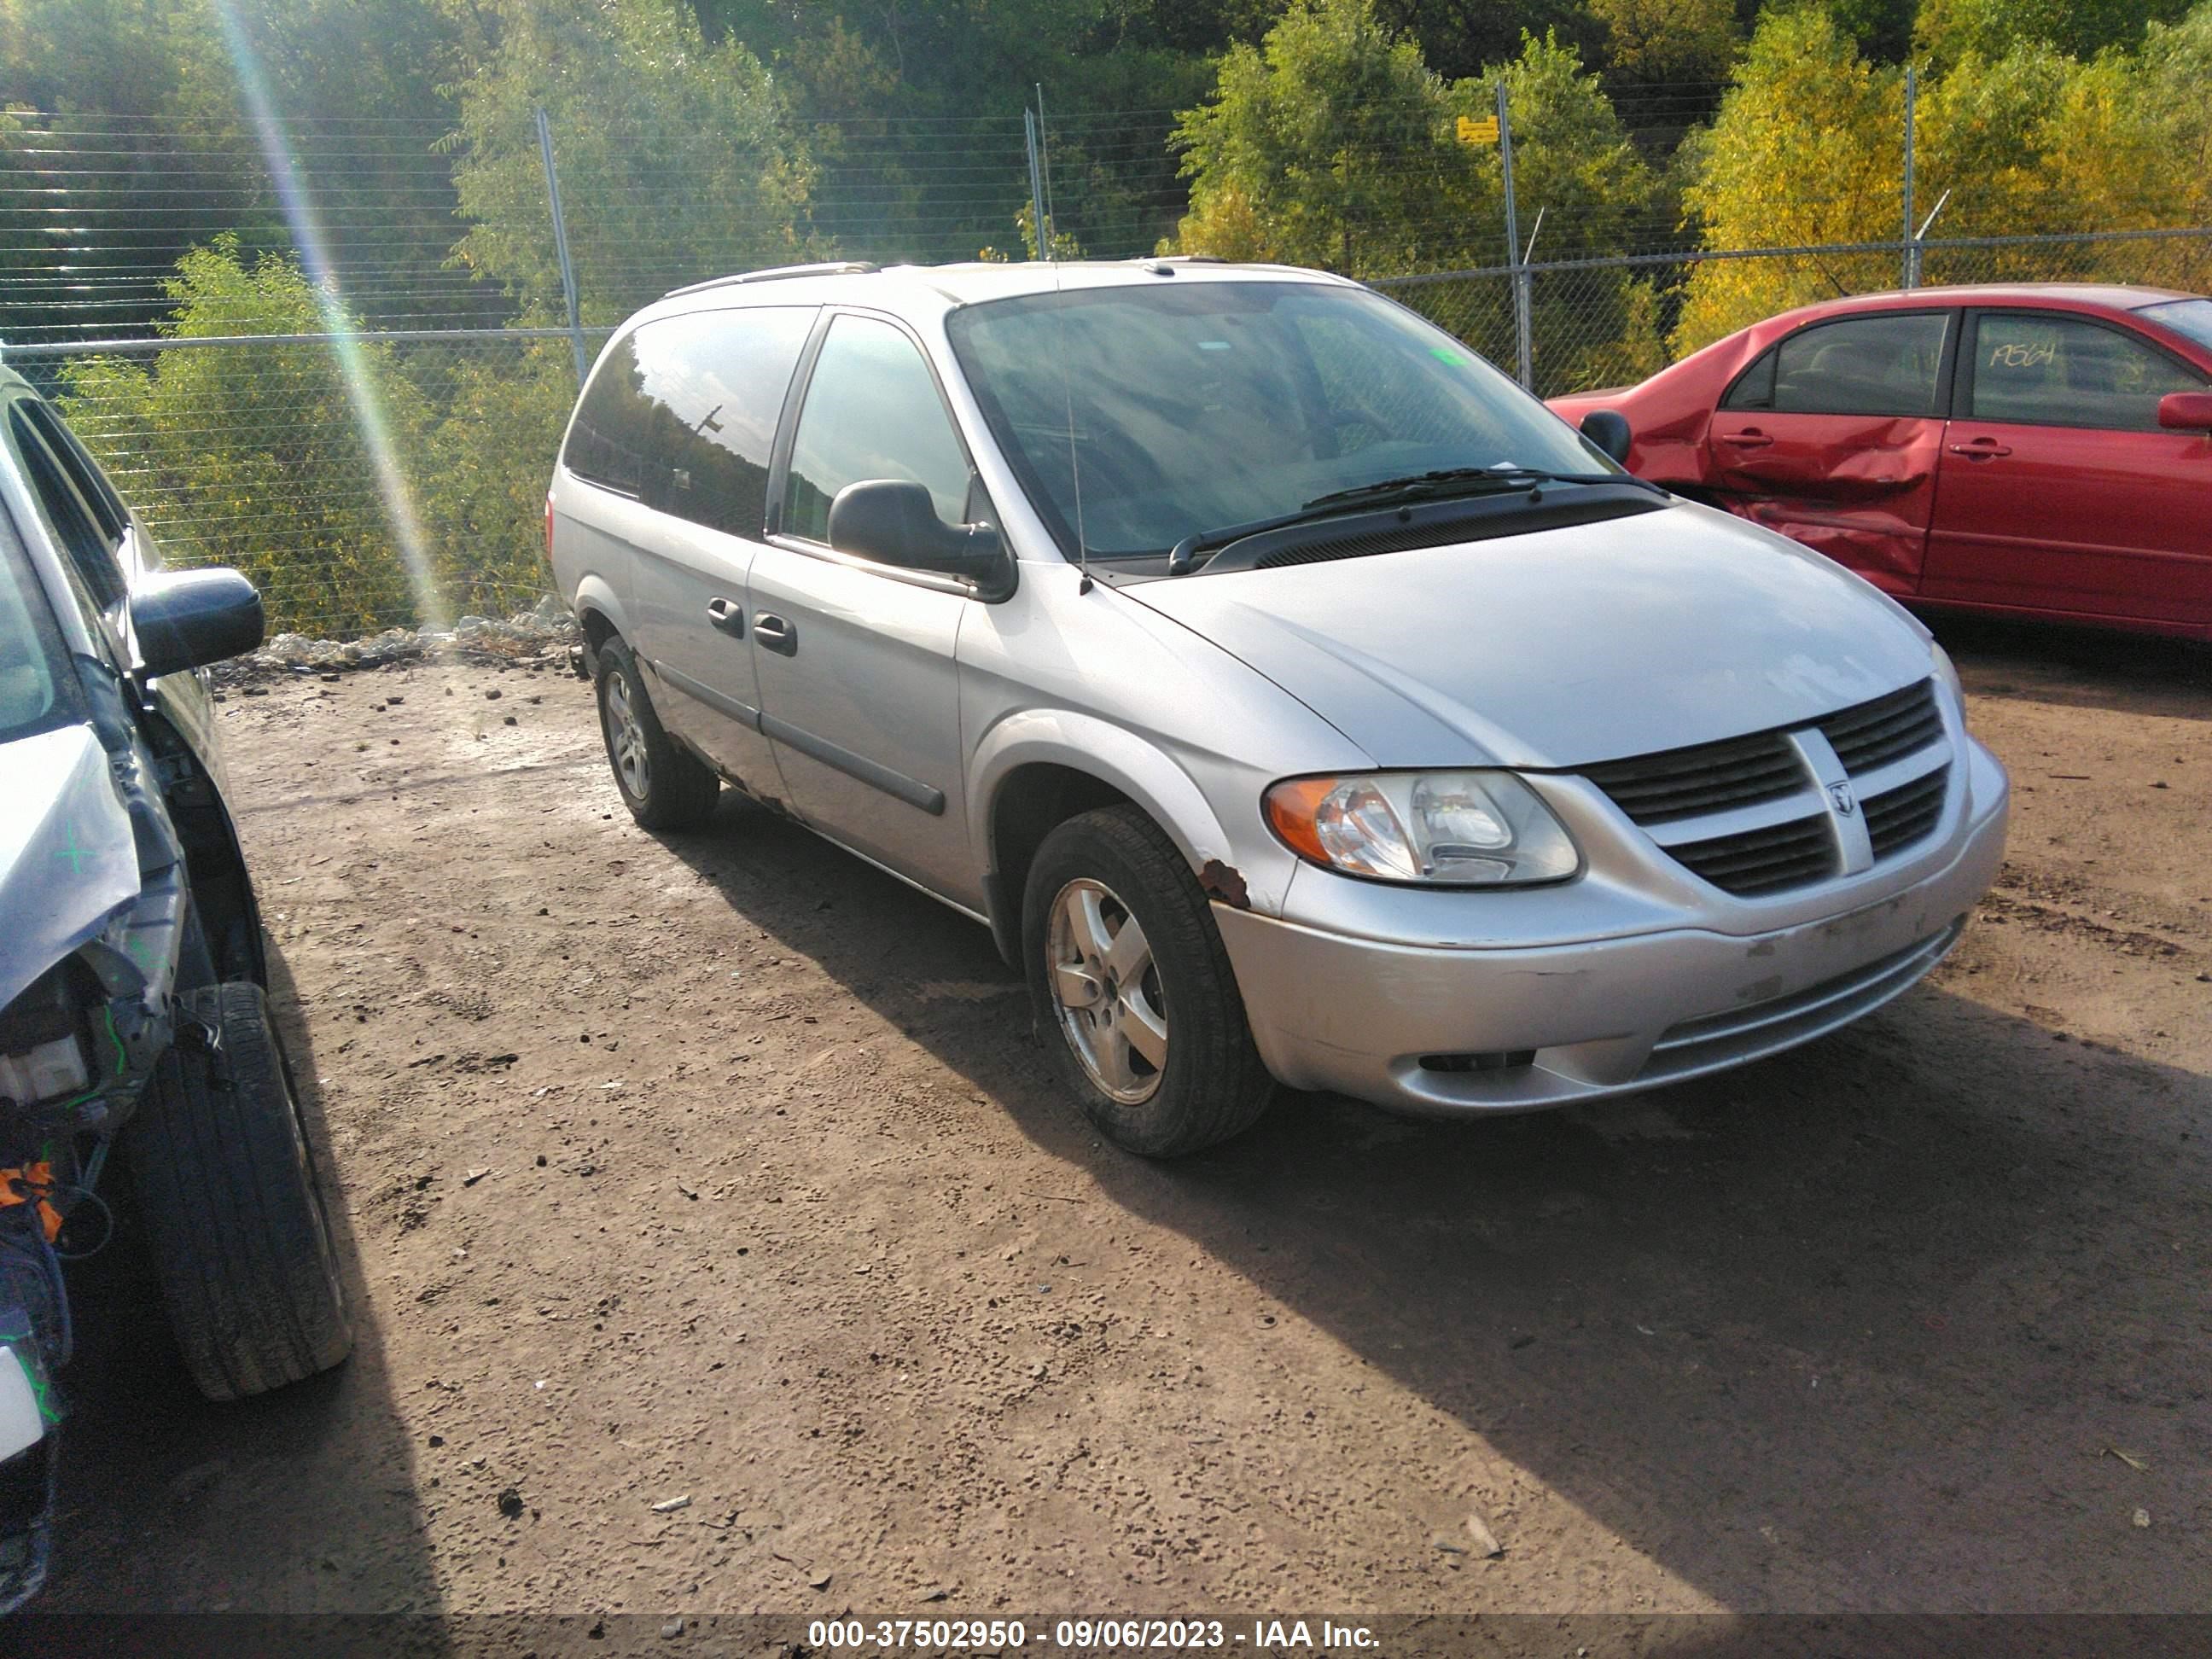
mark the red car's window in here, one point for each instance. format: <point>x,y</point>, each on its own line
<point>2190,319</point>
<point>1882,365</point>
<point>2065,371</point>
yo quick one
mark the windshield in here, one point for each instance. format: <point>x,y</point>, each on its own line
<point>1200,403</point>
<point>28,701</point>
<point>2190,318</point>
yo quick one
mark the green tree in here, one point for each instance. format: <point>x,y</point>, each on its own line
<point>1808,149</point>
<point>1881,29</point>
<point>1651,42</point>
<point>1575,166</point>
<point>1331,144</point>
<point>1947,31</point>
<point>675,158</point>
<point>250,455</point>
<point>85,172</point>
<point>2037,140</point>
<point>1460,40</point>
<point>501,407</point>
<point>864,79</point>
<point>143,150</point>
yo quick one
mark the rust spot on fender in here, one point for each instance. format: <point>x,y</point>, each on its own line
<point>1220,881</point>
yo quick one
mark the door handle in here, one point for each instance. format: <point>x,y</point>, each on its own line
<point>772,633</point>
<point>727,616</point>
<point>1751,439</point>
<point>1981,449</point>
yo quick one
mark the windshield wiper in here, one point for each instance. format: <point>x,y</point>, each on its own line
<point>1417,486</point>
<point>1461,480</point>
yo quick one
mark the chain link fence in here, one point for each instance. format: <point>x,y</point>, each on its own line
<point>1602,323</point>
<point>351,386</point>
<point>254,452</point>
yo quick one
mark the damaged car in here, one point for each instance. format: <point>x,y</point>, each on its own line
<point>140,1074</point>
<point>1296,699</point>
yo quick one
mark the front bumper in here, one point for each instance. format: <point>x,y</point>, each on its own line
<point>1446,1029</point>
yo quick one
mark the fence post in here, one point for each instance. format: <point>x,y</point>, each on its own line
<point>1911,239</point>
<point>561,249</point>
<point>1523,338</point>
<point>1044,160</point>
<point>1040,237</point>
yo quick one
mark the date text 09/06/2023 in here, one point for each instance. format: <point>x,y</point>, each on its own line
<point>1105,1635</point>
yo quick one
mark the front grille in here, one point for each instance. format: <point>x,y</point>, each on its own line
<point>1686,783</point>
<point>1874,733</point>
<point>1898,817</point>
<point>1669,791</point>
<point>1763,860</point>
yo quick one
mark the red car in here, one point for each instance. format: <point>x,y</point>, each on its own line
<point>2040,451</point>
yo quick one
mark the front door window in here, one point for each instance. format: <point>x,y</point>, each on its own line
<point>2063,371</point>
<point>873,411</point>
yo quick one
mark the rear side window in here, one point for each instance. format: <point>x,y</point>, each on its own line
<point>2060,371</point>
<point>1884,365</point>
<point>2190,319</point>
<point>682,413</point>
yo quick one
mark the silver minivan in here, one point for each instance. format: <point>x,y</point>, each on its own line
<point>1296,699</point>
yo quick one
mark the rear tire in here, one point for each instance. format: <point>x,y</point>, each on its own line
<point>230,1209</point>
<point>665,786</point>
<point>1149,1032</point>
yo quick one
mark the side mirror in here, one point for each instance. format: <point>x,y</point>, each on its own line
<point>894,521</point>
<point>190,618</point>
<point>1608,430</point>
<point>2186,411</point>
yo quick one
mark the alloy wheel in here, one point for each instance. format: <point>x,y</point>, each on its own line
<point>1106,991</point>
<point>627,736</point>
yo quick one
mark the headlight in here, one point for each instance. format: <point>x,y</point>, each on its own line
<point>1448,829</point>
<point>1947,672</point>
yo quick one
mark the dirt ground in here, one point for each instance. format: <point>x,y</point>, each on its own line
<point>720,1167</point>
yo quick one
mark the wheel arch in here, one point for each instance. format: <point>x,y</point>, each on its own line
<point>1034,771</point>
<point>600,615</point>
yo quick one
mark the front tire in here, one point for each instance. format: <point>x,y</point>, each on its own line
<point>664,785</point>
<point>230,1212</point>
<point>1128,973</point>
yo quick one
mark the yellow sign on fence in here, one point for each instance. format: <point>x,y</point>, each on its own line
<point>1472,132</point>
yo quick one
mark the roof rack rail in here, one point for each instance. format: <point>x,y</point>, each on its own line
<point>776,274</point>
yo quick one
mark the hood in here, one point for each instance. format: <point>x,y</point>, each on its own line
<point>68,859</point>
<point>1564,646</point>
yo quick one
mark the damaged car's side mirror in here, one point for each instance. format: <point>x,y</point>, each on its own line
<point>894,521</point>
<point>190,618</point>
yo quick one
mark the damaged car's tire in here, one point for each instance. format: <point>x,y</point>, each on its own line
<point>665,786</point>
<point>1130,977</point>
<point>232,1218</point>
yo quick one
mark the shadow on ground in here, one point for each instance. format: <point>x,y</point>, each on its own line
<point>301,1501</point>
<point>2080,667</point>
<point>1850,1327</point>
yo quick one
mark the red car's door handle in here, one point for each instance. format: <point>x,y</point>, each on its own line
<point>1752,438</point>
<point>1982,449</point>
